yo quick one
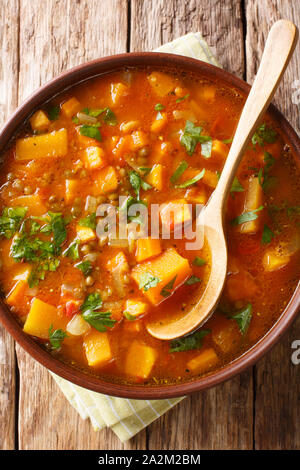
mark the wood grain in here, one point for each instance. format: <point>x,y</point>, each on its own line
<point>9,15</point>
<point>277,385</point>
<point>220,418</point>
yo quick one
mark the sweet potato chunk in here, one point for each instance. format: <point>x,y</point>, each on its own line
<point>240,286</point>
<point>273,261</point>
<point>147,248</point>
<point>39,121</point>
<point>33,202</point>
<point>159,123</point>
<point>156,177</point>
<point>106,181</point>
<point>219,150</point>
<point>94,158</point>
<point>161,83</point>
<point>175,213</point>
<point>16,295</point>
<point>117,91</point>
<point>168,268</point>
<point>71,107</point>
<point>97,348</point>
<point>85,234</point>
<point>140,360</point>
<point>53,144</point>
<point>226,335</point>
<point>204,361</point>
<point>73,189</point>
<point>40,317</point>
<point>136,307</point>
<point>254,199</point>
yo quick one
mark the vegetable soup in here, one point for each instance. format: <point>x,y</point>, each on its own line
<point>101,156</point>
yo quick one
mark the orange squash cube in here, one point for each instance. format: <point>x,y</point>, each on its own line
<point>39,121</point>
<point>140,360</point>
<point>105,181</point>
<point>73,189</point>
<point>169,267</point>
<point>204,361</point>
<point>175,213</point>
<point>71,107</point>
<point>147,248</point>
<point>33,202</point>
<point>117,91</point>
<point>156,177</point>
<point>53,144</point>
<point>16,295</point>
<point>94,158</point>
<point>138,140</point>
<point>219,150</point>
<point>97,348</point>
<point>40,317</point>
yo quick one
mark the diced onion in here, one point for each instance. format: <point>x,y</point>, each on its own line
<point>77,326</point>
<point>86,119</point>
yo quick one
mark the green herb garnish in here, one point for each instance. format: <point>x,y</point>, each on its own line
<point>246,216</point>
<point>88,221</point>
<point>137,183</point>
<point>166,290</point>
<point>243,318</point>
<point>159,107</point>
<point>73,250</point>
<point>90,131</point>
<point>264,134</point>
<point>192,181</point>
<point>199,261</point>
<point>99,320</point>
<point>11,219</point>
<point>53,113</point>
<point>147,281</point>
<point>192,136</point>
<point>56,337</point>
<point>179,171</point>
<point>182,98</point>
<point>236,186</point>
<point>267,235</point>
<point>188,343</point>
<point>85,267</point>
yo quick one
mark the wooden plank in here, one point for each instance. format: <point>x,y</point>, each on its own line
<point>156,22</point>
<point>277,386</point>
<point>9,16</point>
<point>220,418</point>
<point>55,35</point>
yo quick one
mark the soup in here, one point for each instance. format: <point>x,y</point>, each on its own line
<point>100,193</point>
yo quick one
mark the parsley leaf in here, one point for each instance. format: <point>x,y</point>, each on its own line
<point>137,183</point>
<point>99,320</point>
<point>88,221</point>
<point>166,290</point>
<point>192,181</point>
<point>179,171</point>
<point>90,131</point>
<point>58,227</point>
<point>182,98</point>
<point>56,337</point>
<point>85,267</point>
<point>188,343</point>
<point>147,280</point>
<point>236,186</point>
<point>264,134</point>
<point>159,107</point>
<point>53,113</point>
<point>10,220</point>
<point>191,137</point>
<point>246,216</point>
<point>72,251</point>
<point>267,235</point>
<point>192,280</point>
<point>206,149</point>
<point>199,261</point>
<point>243,318</point>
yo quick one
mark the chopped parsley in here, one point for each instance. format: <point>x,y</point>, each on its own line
<point>243,318</point>
<point>264,135</point>
<point>53,113</point>
<point>72,251</point>
<point>85,267</point>
<point>137,183</point>
<point>199,261</point>
<point>56,337</point>
<point>159,107</point>
<point>179,171</point>
<point>90,131</point>
<point>10,220</point>
<point>109,116</point>
<point>147,281</point>
<point>167,289</point>
<point>99,320</point>
<point>267,235</point>
<point>182,98</point>
<point>88,221</point>
<point>192,136</point>
<point>193,280</point>
<point>236,186</point>
<point>188,343</point>
<point>192,180</point>
<point>246,216</point>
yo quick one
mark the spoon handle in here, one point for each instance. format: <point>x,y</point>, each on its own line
<point>278,50</point>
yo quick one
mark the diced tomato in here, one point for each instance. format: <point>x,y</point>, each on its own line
<point>72,307</point>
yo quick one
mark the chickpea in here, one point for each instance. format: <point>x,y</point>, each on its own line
<point>89,281</point>
<point>144,152</point>
<point>28,190</point>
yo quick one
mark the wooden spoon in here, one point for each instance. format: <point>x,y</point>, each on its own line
<point>279,47</point>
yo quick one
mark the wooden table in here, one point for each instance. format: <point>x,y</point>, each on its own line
<point>260,409</point>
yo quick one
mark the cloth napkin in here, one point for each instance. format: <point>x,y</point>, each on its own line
<point>127,417</point>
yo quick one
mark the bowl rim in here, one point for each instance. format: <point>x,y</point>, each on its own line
<point>72,77</point>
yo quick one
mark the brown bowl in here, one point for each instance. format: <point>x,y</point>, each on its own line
<point>84,379</point>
